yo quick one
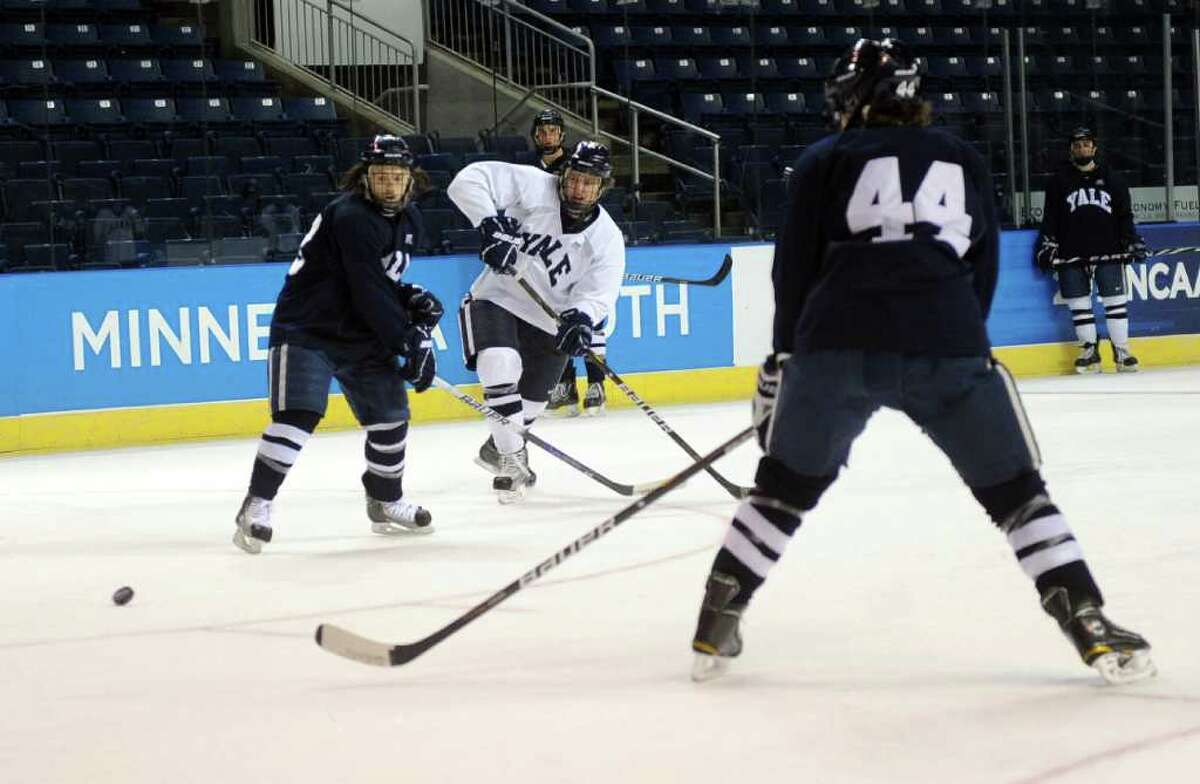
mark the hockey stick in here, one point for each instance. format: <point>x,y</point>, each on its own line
<point>546,446</point>
<point>736,491</point>
<point>1127,256</point>
<point>715,280</point>
<point>349,645</point>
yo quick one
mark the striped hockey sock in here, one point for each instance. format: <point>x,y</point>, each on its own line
<point>757,535</point>
<point>278,450</point>
<point>384,450</point>
<point>1083,318</point>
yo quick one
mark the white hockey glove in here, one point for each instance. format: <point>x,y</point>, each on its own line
<point>763,405</point>
<point>499,243</point>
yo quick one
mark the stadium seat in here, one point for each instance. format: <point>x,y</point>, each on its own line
<point>312,164</point>
<point>239,71</point>
<point>205,111</point>
<point>254,184</point>
<point>101,113</point>
<point>654,37</point>
<point>315,113</point>
<point>718,68</point>
<point>771,38</point>
<point>126,35</point>
<point>24,34</point>
<point>698,105</point>
<point>183,36</point>
<point>70,153</point>
<point>109,169</point>
<point>759,68</point>
<point>74,36</point>
<point>261,164</point>
<point>736,36</point>
<point>208,164</point>
<point>799,68</point>
<point>131,149</point>
<point>677,69</point>
<point>240,250</point>
<point>34,71</point>
<point>151,113</point>
<point>19,194</point>
<point>142,72</point>
<point>288,147</point>
<point>189,71</point>
<point>16,236</point>
<point>84,74</point>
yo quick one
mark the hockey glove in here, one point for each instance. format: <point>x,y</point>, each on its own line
<point>574,333</point>
<point>1137,250</point>
<point>763,406</point>
<point>499,243</point>
<point>424,309</point>
<point>1047,254</point>
<point>420,361</point>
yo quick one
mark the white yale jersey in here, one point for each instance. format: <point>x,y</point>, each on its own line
<point>582,271</point>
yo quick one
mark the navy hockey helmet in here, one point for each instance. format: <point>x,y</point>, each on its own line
<point>587,158</point>
<point>391,190</point>
<point>548,117</point>
<point>1082,133</point>
<point>871,70</point>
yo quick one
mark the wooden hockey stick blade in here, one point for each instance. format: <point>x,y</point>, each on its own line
<point>355,647</point>
<point>714,280</point>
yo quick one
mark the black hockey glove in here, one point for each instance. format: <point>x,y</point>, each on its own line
<point>1137,250</point>
<point>574,333</point>
<point>424,309</point>
<point>420,361</point>
<point>1046,255</point>
<point>763,406</point>
<point>500,243</point>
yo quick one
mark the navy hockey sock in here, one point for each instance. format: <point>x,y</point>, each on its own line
<point>757,535</point>
<point>278,449</point>
<point>595,374</point>
<point>384,450</point>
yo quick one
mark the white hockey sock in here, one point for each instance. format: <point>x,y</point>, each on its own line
<point>1116,316</point>
<point>1083,318</point>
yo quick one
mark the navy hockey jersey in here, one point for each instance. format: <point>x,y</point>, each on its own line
<point>891,243</point>
<point>1088,213</point>
<point>342,289</point>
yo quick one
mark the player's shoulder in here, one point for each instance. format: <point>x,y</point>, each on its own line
<point>604,231</point>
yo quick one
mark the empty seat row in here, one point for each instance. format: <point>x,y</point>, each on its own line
<point>140,72</point>
<point>852,8</point>
<point>83,35</point>
<point>36,112</point>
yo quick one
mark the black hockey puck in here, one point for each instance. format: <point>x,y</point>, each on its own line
<point>123,595</point>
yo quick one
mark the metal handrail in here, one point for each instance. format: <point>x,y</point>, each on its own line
<point>518,46</point>
<point>365,63</point>
<point>635,111</point>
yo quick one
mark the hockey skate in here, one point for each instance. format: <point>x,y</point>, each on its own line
<point>253,524</point>
<point>593,400</point>
<point>398,517</point>
<point>1088,360</point>
<point>564,399</point>
<point>1119,655</point>
<point>718,638</point>
<point>514,477</point>
<point>489,460</point>
<point>1126,362</point>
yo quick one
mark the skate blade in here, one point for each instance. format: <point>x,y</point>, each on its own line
<point>486,466</point>
<point>399,529</point>
<point>563,412</point>
<point>593,411</point>
<point>1124,369</point>
<point>246,544</point>
<point>1084,371</point>
<point>707,668</point>
<point>1119,669</point>
<point>511,496</point>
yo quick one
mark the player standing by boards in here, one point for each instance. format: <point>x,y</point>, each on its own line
<point>344,313</point>
<point>1088,213</point>
<point>884,274</point>
<point>552,231</point>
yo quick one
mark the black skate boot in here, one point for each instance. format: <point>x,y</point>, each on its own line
<point>514,477</point>
<point>489,457</point>
<point>718,638</point>
<point>398,517</point>
<point>564,399</point>
<point>253,523</point>
<point>1119,655</point>
<point>1126,362</point>
<point>1088,360</point>
<point>593,399</point>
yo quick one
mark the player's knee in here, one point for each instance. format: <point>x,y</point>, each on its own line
<point>501,365</point>
<point>775,479</point>
<point>304,420</point>
<point>1016,502</point>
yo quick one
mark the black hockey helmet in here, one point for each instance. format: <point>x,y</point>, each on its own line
<point>869,71</point>
<point>386,150</point>
<point>587,157</point>
<point>548,117</point>
<point>1082,133</point>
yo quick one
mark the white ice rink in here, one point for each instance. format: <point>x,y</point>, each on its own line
<point>897,641</point>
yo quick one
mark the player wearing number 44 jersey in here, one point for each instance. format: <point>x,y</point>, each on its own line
<point>551,231</point>
<point>344,313</point>
<point>884,274</point>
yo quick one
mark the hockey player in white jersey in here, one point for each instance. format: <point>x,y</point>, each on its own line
<point>551,231</point>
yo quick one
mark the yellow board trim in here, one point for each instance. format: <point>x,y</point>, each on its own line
<point>243,418</point>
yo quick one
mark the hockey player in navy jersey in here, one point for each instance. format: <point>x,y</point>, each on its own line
<point>1088,213</point>
<point>551,231</point>
<point>548,131</point>
<point>884,273</point>
<point>345,313</point>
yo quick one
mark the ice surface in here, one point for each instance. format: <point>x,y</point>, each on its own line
<point>897,642</point>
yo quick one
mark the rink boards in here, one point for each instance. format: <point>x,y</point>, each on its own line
<point>105,358</point>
